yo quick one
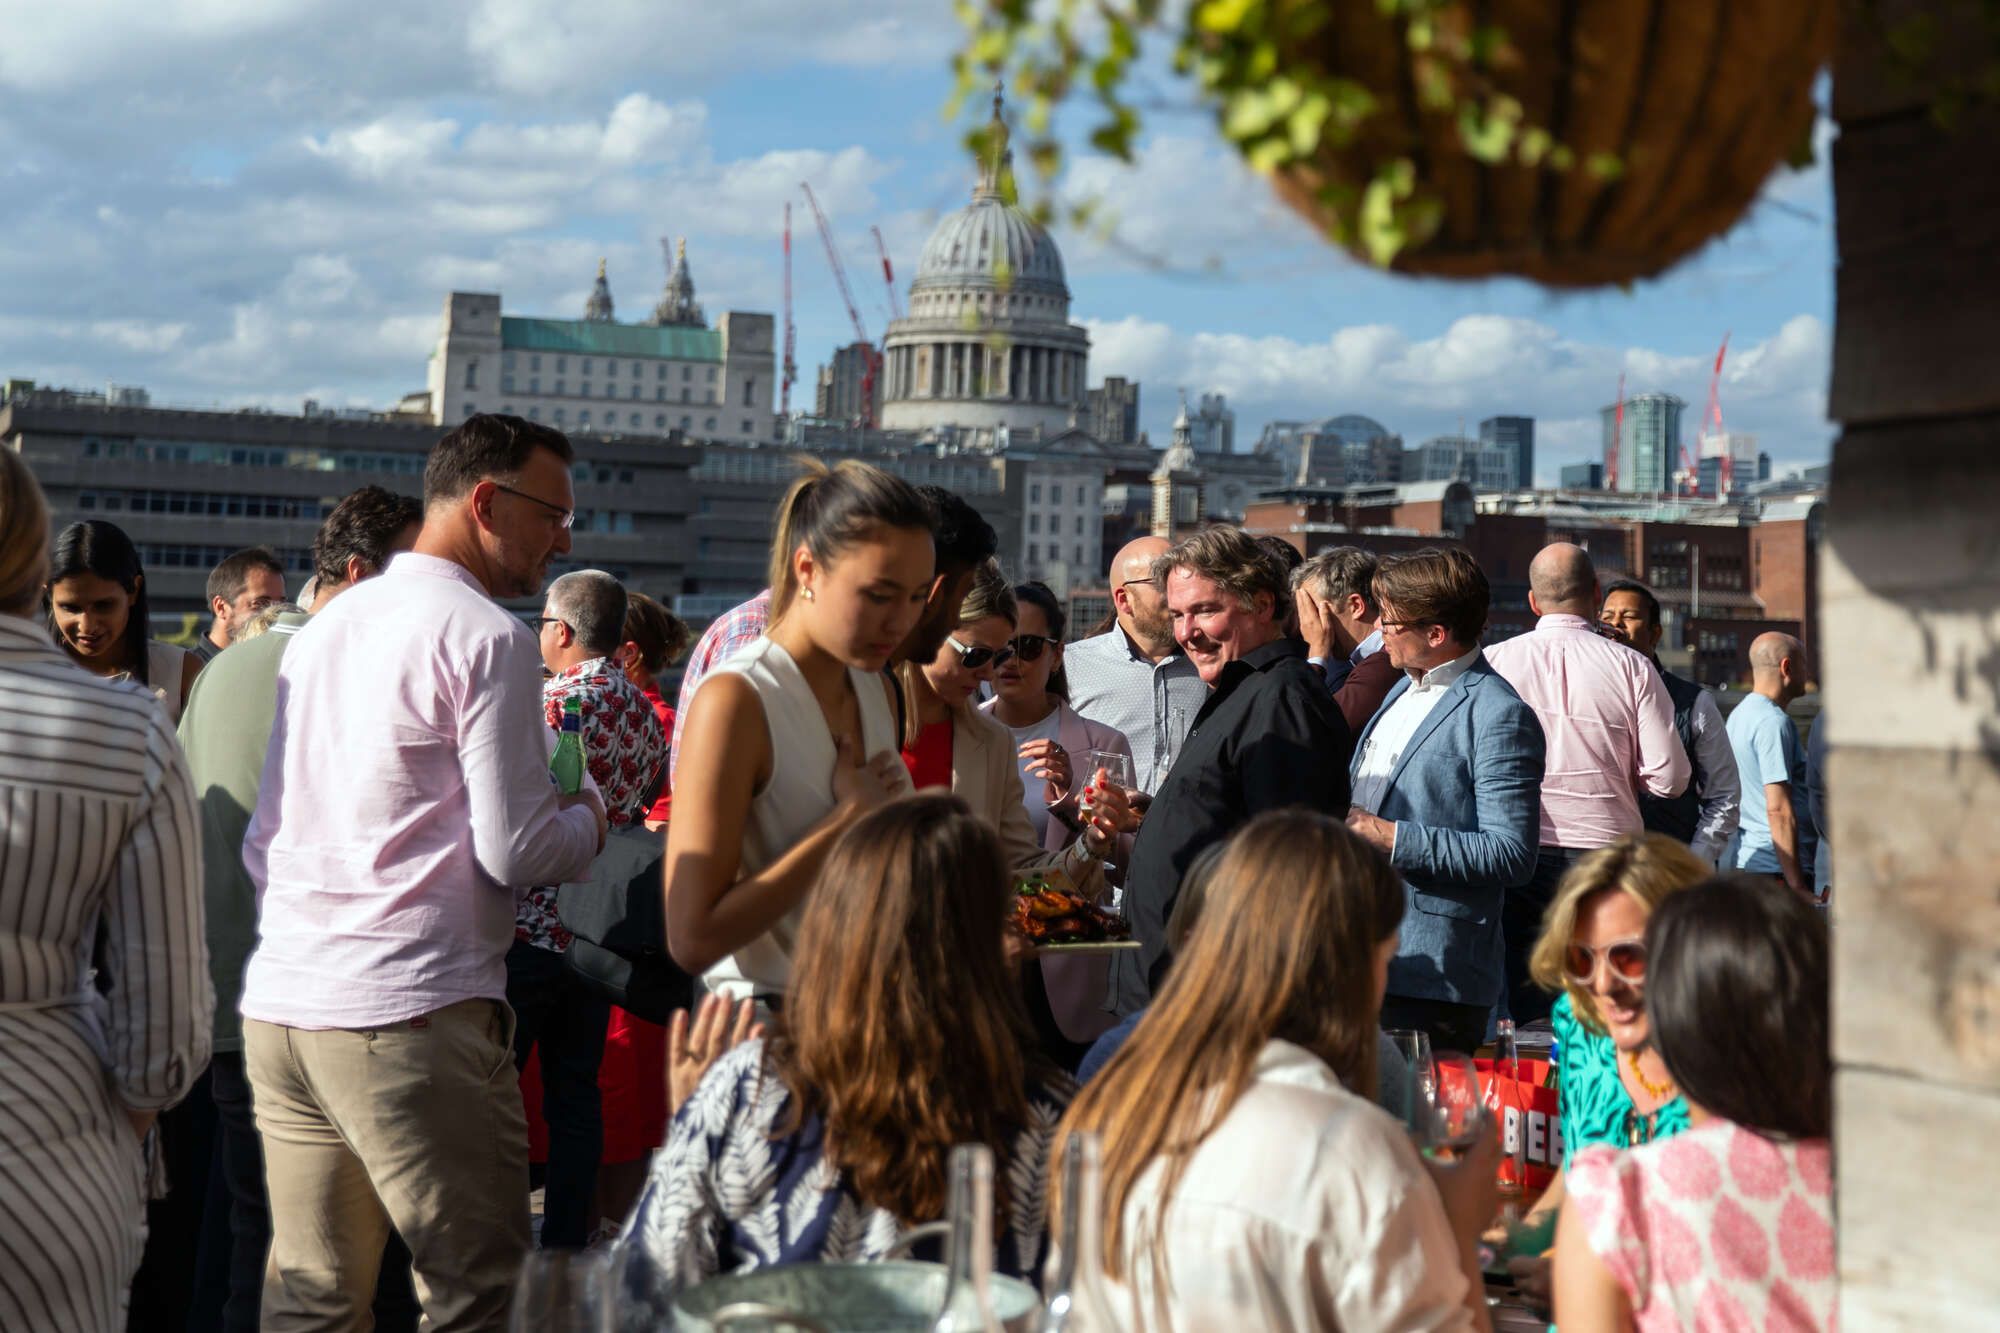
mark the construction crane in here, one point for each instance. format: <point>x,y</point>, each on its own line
<point>1711,422</point>
<point>888,275</point>
<point>791,364</point>
<point>866,416</point>
<point>1617,435</point>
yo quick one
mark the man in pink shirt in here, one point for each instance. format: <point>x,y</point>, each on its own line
<point>405,805</point>
<point>1609,723</point>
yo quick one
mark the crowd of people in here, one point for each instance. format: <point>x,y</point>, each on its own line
<point>310,975</point>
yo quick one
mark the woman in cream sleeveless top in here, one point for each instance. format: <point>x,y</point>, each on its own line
<point>798,796</point>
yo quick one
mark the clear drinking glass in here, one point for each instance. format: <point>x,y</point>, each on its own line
<point>1117,769</point>
<point>1418,1084</point>
<point>1458,1108</point>
<point>1077,1301</point>
<point>968,1293</point>
<point>563,1291</point>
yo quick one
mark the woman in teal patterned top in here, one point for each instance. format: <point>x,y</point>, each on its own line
<point>1611,1084</point>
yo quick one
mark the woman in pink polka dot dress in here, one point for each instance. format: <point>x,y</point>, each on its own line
<point>1728,1226</point>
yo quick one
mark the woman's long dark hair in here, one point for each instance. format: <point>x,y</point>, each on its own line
<point>1038,594</point>
<point>96,547</point>
<point>1737,992</point>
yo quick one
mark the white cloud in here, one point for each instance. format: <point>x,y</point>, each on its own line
<point>1478,366</point>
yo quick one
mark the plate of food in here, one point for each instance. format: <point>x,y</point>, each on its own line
<point>1057,919</point>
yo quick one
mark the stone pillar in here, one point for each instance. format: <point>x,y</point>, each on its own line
<point>1910,620</point>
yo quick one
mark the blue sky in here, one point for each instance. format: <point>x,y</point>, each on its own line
<point>258,201</point>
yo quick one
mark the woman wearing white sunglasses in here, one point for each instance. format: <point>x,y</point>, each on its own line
<point>1613,1087</point>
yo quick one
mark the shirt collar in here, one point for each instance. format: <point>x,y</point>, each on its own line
<point>21,632</point>
<point>1287,1063</point>
<point>1563,620</point>
<point>1367,648</point>
<point>411,562</point>
<point>596,666</point>
<point>1442,676</point>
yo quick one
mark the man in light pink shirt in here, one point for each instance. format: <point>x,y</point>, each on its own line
<point>404,807</point>
<point>1609,723</point>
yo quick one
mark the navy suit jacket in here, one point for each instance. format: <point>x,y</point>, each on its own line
<point>1465,797</point>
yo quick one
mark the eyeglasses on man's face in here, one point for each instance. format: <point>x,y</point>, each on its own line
<point>543,622</point>
<point>1402,626</point>
<point>564,517</point>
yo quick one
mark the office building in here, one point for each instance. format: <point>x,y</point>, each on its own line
<point>1643,456</point>
<point>1517,434</point>
<point>839,392</point>
<point>1582,477</point>
<point>1111,411</point>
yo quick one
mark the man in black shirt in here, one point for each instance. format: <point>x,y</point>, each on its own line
<point>1268,736</point>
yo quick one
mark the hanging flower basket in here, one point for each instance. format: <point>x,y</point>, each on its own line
<point>1610,138</point>
<point>1575,143</point>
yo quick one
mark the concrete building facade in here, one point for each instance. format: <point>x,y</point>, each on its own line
<point>1517,434</point>
<point>190,488</point>
<point>596,375</point>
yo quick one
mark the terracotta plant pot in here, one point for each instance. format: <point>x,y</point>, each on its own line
<point>1697,100</point>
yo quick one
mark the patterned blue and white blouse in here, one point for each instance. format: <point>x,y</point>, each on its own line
<point>725,1195</point>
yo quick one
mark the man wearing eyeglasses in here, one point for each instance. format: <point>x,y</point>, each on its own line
<point>1447,780</point>
<point>405,805</point>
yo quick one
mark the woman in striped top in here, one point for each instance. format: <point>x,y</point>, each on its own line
<point>99,863</point>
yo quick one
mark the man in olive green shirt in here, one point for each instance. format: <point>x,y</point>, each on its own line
<point>225,730</point>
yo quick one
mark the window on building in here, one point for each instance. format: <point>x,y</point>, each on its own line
<point>711,374</point>
<point>684,395</point>
<point>635,391</point>
<point>660,368</point>
<point>506,361</point>
<point>625,475</point>
<point>708,424</point>
<point>534,414</point>
<point>687,373</point>
<point>1034,522</point>
<point>660,394</point>
<point>687,423</point>
<point>748,426</point>
<point>535,362</point>
<point>559,388</point>
<point>635,370</point>
<point>508,409</point>
<point>583,417</point>
<point>1055,493</point>
<point>561,365</point>
<point>1079,555</point>
<point>534,386</point>
<point>584,367</point>
<point>472,373</point>
<point>659,423</point>
<point>506,384</point>
<point>750,392</point>
<point>1079,528</point>
<point>471,407</point>
<point>635,421</point>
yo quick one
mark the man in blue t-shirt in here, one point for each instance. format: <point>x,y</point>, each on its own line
<point>1775,832</point>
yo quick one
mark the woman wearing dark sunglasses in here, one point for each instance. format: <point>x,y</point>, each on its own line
<point>1614,1089</point>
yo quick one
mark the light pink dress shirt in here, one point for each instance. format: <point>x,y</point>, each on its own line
<point>1609,723</point>
<point>405,805</point>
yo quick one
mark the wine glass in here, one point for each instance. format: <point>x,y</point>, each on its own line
<point>1458,1108</point>
<point>1117,768</point>
<point>563,1291</point>
<point>1418,1083</point>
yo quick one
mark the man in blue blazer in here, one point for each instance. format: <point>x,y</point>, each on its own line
<point>1447,783</point>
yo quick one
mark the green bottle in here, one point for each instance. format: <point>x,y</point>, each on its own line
<point>566,764</point>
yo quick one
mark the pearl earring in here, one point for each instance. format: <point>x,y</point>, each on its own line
<point>807,594</point>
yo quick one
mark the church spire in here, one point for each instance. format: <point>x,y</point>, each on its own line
<point>598,308</point>
<point>677,307</point>
<point>996,161</point>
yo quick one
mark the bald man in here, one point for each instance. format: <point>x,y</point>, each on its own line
<point>1774,834</point>
<point>1134,677</point>
<point>1609,723</point>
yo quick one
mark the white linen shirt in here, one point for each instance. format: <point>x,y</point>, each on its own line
<point>1396,725</point>
<point>1306,1209</point>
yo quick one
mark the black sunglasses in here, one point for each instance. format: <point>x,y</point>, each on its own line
<point>973,657</point>
<point>1030,646</point>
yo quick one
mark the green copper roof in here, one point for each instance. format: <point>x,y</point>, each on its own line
<point>595,338</point>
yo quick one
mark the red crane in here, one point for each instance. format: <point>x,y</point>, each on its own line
<point>1711,419</point>
<point>888,275</point>
<point>866,416</point>
<point>1617,435</point>
<point>791,364</point>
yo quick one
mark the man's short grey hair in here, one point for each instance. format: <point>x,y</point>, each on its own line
<point>1338,573</point>
<point>592,603</point>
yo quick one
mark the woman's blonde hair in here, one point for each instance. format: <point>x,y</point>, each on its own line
<point>1651,867</point>
<point>1284,950</point>
<point>988,595</point>
<point>24,534</point>
<point>828,509</point>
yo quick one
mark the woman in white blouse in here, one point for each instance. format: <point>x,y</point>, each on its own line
<point>1246,1183</point>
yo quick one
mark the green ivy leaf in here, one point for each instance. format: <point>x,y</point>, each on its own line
<point>1224,16</point>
